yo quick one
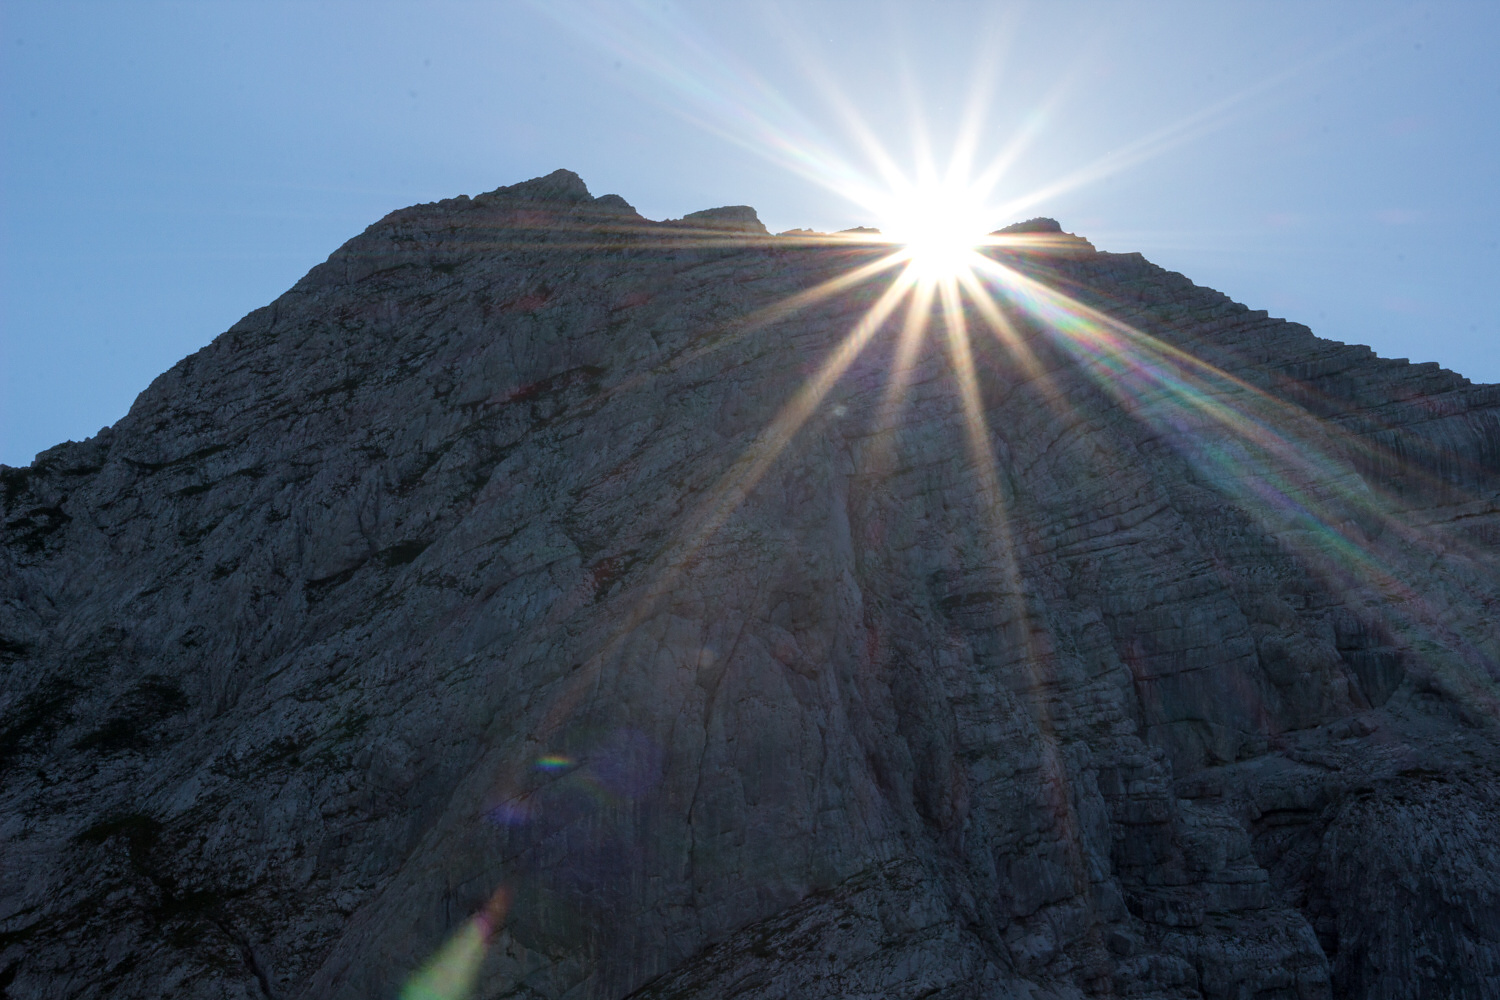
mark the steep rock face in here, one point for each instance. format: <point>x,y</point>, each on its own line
<point>492,555</point>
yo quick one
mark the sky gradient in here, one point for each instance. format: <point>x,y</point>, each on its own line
<point>167,168</point>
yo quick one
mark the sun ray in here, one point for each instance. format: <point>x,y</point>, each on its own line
<point>908,344</point>
<point>816,67</point>
<point>751,465</point>
<point>994,42</point>
<point>1280,470</point>
<point>1002,327</point>
<point>1192,126</point>
<point>982,451</point>
<point>1035,659</point>
<point>776,312</point>
<point>770,443</point>
<point>913,331</point>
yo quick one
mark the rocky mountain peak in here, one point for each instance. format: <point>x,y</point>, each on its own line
<point>615,608</point>
<point>1037,225</point>
<point>730,218</point>
<point>560,185</point>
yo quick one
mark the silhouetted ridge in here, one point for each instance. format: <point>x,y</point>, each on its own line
<point>1037,225</point>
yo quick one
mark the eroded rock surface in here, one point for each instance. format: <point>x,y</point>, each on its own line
<point>485,556</point>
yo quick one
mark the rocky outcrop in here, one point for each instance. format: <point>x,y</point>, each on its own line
<point>520,545</point>
<point>730,218</point>
<point>1041,235</point>
<point>1036,225</point>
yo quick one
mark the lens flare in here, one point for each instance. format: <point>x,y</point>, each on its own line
<point>452,973</point>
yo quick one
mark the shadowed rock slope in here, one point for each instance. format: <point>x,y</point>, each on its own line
<point>471,562</point>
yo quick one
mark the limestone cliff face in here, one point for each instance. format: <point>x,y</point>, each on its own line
<point>486,556</point>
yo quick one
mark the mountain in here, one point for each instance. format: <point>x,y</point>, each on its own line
<point>645,583</point>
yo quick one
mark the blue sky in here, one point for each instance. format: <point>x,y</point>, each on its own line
<point>168,167</point>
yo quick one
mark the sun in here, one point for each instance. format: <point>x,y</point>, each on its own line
<point>938,227</point>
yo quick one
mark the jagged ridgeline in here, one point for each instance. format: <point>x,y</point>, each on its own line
<point>723,618</point>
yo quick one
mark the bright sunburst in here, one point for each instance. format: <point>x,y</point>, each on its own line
<point>938,227</point>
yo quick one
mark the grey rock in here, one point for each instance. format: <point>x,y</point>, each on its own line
<point>466,563</point>
<point>730,218</point>
<point>1044,236</point>
<point>1037,225</point>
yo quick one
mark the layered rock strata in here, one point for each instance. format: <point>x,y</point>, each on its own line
<point>491,555</point>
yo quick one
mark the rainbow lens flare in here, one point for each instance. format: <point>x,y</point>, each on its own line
<point>453,971</point>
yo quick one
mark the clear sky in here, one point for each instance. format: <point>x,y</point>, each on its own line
<point>167,167</point>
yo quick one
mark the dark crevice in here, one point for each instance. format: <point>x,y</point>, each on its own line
<point>247,955</point>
